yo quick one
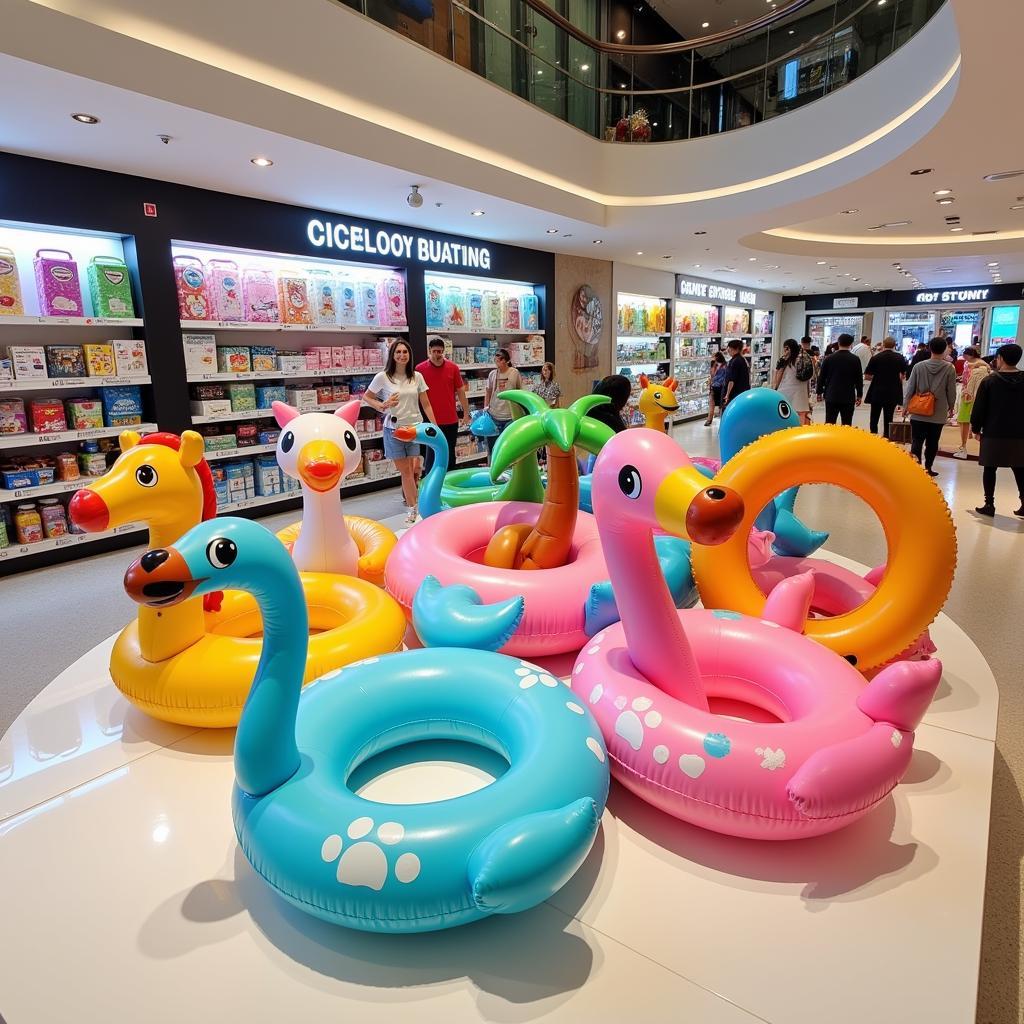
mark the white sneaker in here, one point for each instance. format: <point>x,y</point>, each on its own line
<point>960,453</point>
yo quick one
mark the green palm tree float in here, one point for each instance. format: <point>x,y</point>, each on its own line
<point>546,544</point>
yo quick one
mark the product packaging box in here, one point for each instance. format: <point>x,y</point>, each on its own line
<point>190,275</point>
<point>303,399</point>
<point>247,434</point>
<point>312,358</point>
<point>109,287</point>
<point>391,301</point>
<point>293,299</point>
<point>264,358</point>
<point>10,285</point>
<point>259,294</point>
<point>341,393</point>
<point>233,359</point>
<point>209,392</point>
<point>122,405</point>
<point>293,364</point>
<point>99,360</point>
<point>60,291</point>
<point>214,407</point>
<point>325,394</point>
<point>6,370</point>
<point>84,414</point>
<point>46,416</point>
<point>219,442</point>
<point>269,436</point>
<point>12,416</point>
<point>267,395</point>
<point>65,361</point>
<point>243,397</point>
<point>224,289</point>
<point>220,484</point>
<point>200,353</point>
<point>268,476</point>
<point>29,361</point>
<point>536,348</point>
<point>529,312</point>
<point>326,357</point>
<point>130,358</point>
<point>338,356</point>
<point>323,298</point>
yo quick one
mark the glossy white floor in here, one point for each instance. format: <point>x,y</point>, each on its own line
<point>138,904</point>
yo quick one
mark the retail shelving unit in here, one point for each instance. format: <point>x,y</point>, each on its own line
<point>696,337</point>
<point>643,339</point>
<point>761,348</point>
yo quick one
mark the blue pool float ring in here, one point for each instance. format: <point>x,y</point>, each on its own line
<point>389,867</point>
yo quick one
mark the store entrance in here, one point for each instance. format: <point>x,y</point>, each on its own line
<point>824,330</point>
<point>963,326</point>
<point>910,328</point>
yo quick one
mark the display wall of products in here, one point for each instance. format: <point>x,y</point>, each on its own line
<point>736,321</point>
<point>764,322</point>
<point>760,359</point>
<point>640,315</point>
<point>693,318</point>
<point>460,304</point>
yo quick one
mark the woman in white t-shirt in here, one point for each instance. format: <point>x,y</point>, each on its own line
<point>397,393</point>
<point>504,378</point>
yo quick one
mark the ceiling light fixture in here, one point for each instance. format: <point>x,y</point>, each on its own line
<point>700,232</point>
<point>584,67</point>
<point>889,224</point>
<point>923,170</point>
<point>85,118</point>
<point>621,34</point>
<point>262,161</point>
<point>666,257</point>
<point>552,231</point>
<point>822,263</point>
<point>1018,206</point>
<point>849,211</point>
<point>598,241</point>
<point>792,31</point>
<point>1002,175</point>
<point>567,235</point>
<point>993,264</point>
<point>956,229</point>
<point>753,259</point>
<point>476,213</point>
<point>705,24</point>
<point>943,192</point>
<point>948,201</point>
<point>639,252</point>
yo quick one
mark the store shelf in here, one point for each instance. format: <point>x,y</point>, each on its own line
<point>267,499</point>
<point>70,321</point>
<point>491,366</point>
<point>62,383</point>
<point>227,417</point>
<point>471,458</point>
<point>234,325</point>
<point>240,453</point>
<point>69,540</point>
<point>60,487</point>
<point>197,378</point>
<point>33,440</point>
<point>644,362</point>
<point>481,331</point>
<point>642,337</point>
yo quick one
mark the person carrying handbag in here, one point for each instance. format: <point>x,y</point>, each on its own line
<point>928,399</point>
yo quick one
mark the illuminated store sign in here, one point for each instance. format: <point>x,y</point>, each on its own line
<point>706,290</point>
<point>955,295</point>
<point>352,236</point>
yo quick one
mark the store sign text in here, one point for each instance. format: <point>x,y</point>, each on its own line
<point>702,290</point>
<point>957,295</point>
<point>359,238</point>
<point>849,302</point>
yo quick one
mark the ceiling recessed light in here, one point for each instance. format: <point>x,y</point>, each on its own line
<point>584,67</point>
<point>654,124</point>
<point>753,259</point>
<point>85,118</point>
<point>1017,206</point>
<point>262,161</point>
<point>792,31</point>
<point>700,232</point>
<point>772,266</point>
<point>666,257</point>
<point>944,270</point>
<point>856,279</point>
<point>622,85</point>
<point>1002,175</point>
<point>567,235</point>
<point>696,266</point>
<point>943,192</point>
<point>956,229</point>
<point>705,24</point>
<point>598,241</point>
<point>639,252</point>
<point>476,213</point>
<point>889,224</point>
<point>552,231</point>
<point>923,170</point>
<point>822,263</point>
<point>948,201</point>
<point>849,211</point>
<point>621,34</point>
<point>993,264</point>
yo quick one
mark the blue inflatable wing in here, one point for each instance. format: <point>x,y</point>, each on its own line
<point>457,617</point>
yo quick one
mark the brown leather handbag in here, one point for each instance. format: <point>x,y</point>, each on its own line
<point>921,404</point>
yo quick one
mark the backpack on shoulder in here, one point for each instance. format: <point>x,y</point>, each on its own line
<point>804,367</point>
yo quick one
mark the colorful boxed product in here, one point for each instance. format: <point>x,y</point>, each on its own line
<point>122,405</point>
<point>84,413</point>
<point>65,361</point>
<point>268,476</point>
<point>303,399</point>
<point>12,416</point>
<point>326,357</point>
<point>110,288</point>
<point>293,299</point>
<point>269,436</point>
<point>67,466</point>
<point>220,484</point>
<point>348,301</point>
<point>338,356</point>
<point>233,359</point>
<point>210,407</point>
<point>60,292</point>
<point>264,358</point>
<point>99,360</point>
<point>209,392</point>
<point>224,289</point>
<point>190,275</point>
<point>325,395</point>
<point>247,434</point>
<point>46,416</point>
<point>512,313</point>
<point>235,475</point>
<point>536,348</point>
<point>10,285</point>
<point>529,309</point>
<point>391,302</point>
<point>322,298</point>
<point>200,353</point>
<point>267,395</point>
<point>293,364</point>
<point>243,397</point>
<point>494,311</point>
<point>435,306</point>
<point>475,310</point>
<point>130,358</point>
<point>312,356</point>
<point>454,307</point>
<point>219,442</point>
<point>29,362</point>
<point>259,294</point>
<point>6,370</point>
<point>369,311</point>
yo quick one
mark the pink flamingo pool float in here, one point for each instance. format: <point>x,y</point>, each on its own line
<point>739,725</point>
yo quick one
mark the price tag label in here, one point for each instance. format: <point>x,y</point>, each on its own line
<point>65,541</point>
<point>92,432</point>
<point>47,438</point>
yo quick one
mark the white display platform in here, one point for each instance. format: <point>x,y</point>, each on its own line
<point>125,897</point>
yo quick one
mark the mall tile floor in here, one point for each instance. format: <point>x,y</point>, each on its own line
<point>52,616</point>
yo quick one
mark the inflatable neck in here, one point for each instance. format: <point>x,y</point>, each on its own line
<point>431,484</point>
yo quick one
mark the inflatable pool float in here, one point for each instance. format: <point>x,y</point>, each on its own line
<point>192,664</point>
<point>429,499</point>
<point>657,401</point>
<point>737,724</point>
<point>390,867</point>
<point>921,552</point>
<point>320,450</point>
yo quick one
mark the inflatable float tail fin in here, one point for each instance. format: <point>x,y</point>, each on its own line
<point>853,775</point>
<point>457,617</point>
<point>900,694</point>
<point>530,858</point>
<point>793,538</point>
<point>790,601</point>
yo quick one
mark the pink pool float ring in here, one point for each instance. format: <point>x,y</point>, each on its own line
<point>736,724</point>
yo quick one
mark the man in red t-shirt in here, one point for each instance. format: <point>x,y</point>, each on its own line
<point>444,382</point>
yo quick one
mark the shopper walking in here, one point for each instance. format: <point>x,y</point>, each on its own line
<point>928,398</point>
<point>504,378</point>
<point>886,371</point>
<point>792,373</point>
<point>397,393</point>
<point>716,382</point>
<point>841,382</point>
<point>862,350</point>
<point>921,354</point>
<point>975,370</point>
<point>444,384</point>
<point>997,419</point>
<point>737,373</point>
<point>547,387</point>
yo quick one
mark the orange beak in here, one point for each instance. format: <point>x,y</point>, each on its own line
<point>405,433</point>
<point>320,465</point>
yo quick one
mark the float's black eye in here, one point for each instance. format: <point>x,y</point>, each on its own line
<point>851,658</point>
<point>287,441</point>
<point>657,396</point>
<point>350,441</point>
<point>220,553</point>
<point>430,432</point>
<point>147,476</point>
<point>784,410</point>
<point>629,481</point>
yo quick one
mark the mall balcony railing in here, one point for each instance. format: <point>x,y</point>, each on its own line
<point>661,92</point>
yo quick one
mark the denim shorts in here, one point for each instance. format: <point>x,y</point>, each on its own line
<point>395,449</point>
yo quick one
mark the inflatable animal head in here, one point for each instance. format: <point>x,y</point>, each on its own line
<point>642,478</point>
<point>428,434</point>
<point>751,415</point>
<point>657,400</point>
<point>317,448</point>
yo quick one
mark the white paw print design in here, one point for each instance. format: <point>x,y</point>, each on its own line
<point>365,862</point>
<point>772,758</point>
<point>629,726</point>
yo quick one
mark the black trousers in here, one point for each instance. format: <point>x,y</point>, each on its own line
<point>451,433</point>
<point>926,435</point>
<point>835,410</point>
<point>885,410</point>
<point>988,482</point>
